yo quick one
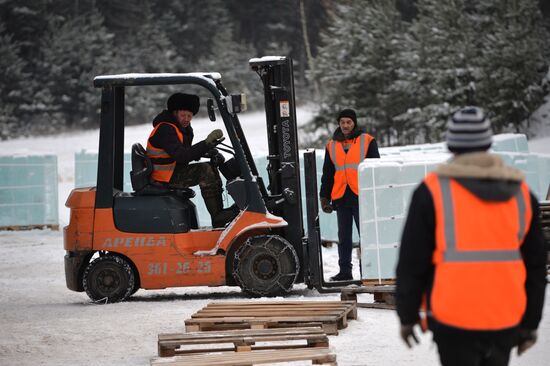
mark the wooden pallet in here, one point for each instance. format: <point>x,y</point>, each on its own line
<point>329,315</point>
<point>318,356</point>
<point>240,340</point>
<point>384,296</point>
<point>377,282</point>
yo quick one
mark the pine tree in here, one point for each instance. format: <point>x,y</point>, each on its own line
<point>487,53</point>
<point>358,68</point>
<point>191,27</point>
<point>334,72</point>
<point>443,68</point>
<point>74,52</point>
<point>512,58</point>
<point>230,58</point>
<point>151,52</point>
<point>12,85</point>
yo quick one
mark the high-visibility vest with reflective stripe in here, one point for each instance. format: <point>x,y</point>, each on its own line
<point>346,164</point>
<point>479,280</point>
<point>163,164</point>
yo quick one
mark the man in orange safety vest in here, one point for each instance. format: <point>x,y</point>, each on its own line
<point>171,150</point>
<point>472,253</point>
<point>339,183</point>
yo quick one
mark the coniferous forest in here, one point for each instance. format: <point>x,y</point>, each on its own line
<point>404,65</point>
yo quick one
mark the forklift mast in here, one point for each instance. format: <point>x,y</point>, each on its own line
<point>283,197</point>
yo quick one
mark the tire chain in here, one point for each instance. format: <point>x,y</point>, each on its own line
<point>248,243</point>
<point>121,261</point>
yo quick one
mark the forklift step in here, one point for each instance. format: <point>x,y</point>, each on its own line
<point>318,356</point>
<point>384,296</point>
<point>329,315</point>
<point>241,340</point>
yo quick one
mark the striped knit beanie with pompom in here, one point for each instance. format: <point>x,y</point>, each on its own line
<point>469,130</point>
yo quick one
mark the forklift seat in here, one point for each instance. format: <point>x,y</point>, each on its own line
<point>143,185</point>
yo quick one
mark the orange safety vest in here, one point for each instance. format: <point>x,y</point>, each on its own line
<point>346,164</point>
<point>163,164</point>
<point>479,280</point>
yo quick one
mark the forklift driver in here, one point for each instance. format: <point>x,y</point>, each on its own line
<point>170,148</point>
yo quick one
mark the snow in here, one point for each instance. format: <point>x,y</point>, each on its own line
<point>266,59</point>
<point>131,76</point>
<point>44,323</point>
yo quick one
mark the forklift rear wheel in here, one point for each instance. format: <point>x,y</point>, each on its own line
<point>108,278</point>
<point>266,265</point>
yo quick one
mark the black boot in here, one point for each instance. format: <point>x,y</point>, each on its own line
<point>225,216</point>
<point>219,216</point>
<point>342,276</point>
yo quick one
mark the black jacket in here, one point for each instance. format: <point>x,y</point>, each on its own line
<point>415,270</point>
<point>166,138</point>
<point>327,179</point>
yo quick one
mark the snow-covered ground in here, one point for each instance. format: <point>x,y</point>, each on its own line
<point>43,323</point>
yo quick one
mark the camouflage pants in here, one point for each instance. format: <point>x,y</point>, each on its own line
<point>205,175</point>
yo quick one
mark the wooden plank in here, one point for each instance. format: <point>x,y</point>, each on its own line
<point>350,293</point>
<point>329,328</point>
<point>335,309</point>
<point>261,319</point>
<point>242,340</point>
<point>264,313</point>
<point>182,341</point>
<point>375,305</point>
<point>263,303</point>
<point>277,309</point>
<point>330,325</point>
<point>269,309</point>
<point>209,335</point>
<point>375,281</point>
<point>239,336</point>
<point>317,355</point>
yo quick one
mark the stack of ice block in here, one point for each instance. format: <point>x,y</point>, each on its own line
<point>386,184</point>
<point>385,188</point>
<point>28,191</point>
<point>513,149</point>
<point>85,170</point>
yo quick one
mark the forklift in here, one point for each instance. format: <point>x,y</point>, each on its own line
<point>118,242</point>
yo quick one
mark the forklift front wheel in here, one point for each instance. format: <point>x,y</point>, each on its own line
<point>266,265</point>
<point>108,278</point>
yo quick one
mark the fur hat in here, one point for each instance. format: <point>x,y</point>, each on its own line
<point>181,101</point>
<point>469,130</point>
<point>349,113</point>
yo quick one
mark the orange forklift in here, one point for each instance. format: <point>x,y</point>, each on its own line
<point>118,242</point>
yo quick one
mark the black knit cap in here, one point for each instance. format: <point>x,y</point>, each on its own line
<point>469,130</point>
<point>349,113</point>
<point>181,101</point>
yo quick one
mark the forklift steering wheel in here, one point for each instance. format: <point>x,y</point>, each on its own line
<point>226,148</point>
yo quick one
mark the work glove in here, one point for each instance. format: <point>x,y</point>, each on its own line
<point>215,157</point>
<point>325,205</point>
<point>526,339</point>
<point>407,334</point>
<point>214,137</point>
